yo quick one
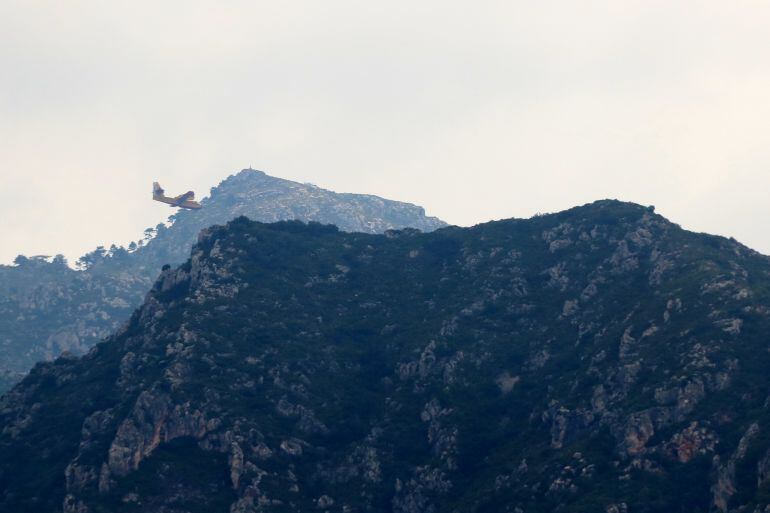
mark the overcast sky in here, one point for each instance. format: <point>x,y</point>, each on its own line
<point>475,110</point>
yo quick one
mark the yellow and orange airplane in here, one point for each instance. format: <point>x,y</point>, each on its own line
<point>185,200</point>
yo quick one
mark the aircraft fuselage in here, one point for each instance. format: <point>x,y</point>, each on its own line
<point>173,202</point>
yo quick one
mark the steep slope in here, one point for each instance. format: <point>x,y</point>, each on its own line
<point>599,359</point>
<point>47,308</point>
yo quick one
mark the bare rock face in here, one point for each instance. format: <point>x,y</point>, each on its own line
<point>692,441</point>
<point>763,470</point>
<point>639,430</point>
<point>565,423</point>
<point>588,360</point>
<point>724,486</point>
<point>154,420</point>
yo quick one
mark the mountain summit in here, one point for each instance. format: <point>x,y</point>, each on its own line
<point>47,308</point>
<point>598,359</point>
<point>264,198</point>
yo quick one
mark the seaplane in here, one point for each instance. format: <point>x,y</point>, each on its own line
<point>186,200</point>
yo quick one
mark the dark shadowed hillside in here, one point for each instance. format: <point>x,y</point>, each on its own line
<point>47,308</point>
<point>597,360</point>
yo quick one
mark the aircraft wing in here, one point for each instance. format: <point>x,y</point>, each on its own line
<point>192,205</point>
<point>182,198</point>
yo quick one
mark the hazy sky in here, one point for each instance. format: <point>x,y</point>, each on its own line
<point>475,110</point>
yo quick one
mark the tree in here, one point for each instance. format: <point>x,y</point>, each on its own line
<point>149,233</point>
<point>118,253</point>
<point>60,260</point>
<point>89,260</point>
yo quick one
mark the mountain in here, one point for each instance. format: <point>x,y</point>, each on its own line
<point>598,359</point>
<point>47,308</point>
<point>268,199</point>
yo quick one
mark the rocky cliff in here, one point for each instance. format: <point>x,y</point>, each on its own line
<point>599,359</point>
<point>47,308</point>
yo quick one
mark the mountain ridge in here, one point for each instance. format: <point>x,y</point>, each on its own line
<point>597,359</point>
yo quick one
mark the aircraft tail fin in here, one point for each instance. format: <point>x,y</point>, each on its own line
<point>157,190</point>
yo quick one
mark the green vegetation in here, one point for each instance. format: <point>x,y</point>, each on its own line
<point>575,362</point>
